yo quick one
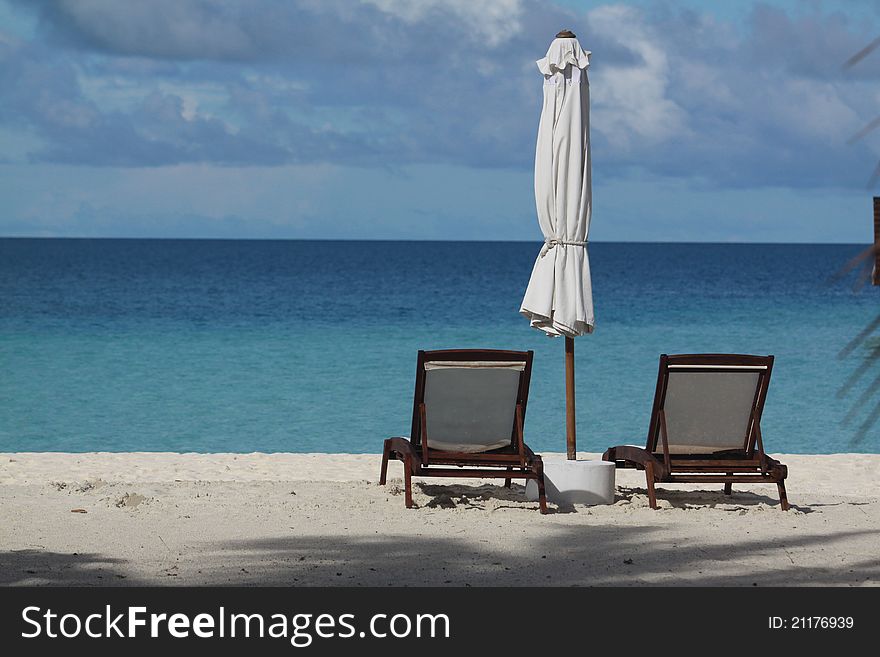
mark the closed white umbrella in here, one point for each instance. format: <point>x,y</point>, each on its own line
<point>559,297</point>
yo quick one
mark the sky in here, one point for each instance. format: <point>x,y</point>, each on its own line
<point>726,121</point>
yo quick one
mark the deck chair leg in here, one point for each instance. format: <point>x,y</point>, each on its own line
<point>384,470</point>
<point>649,477</point>
<point>407,481</point>
<point>783,498</point>
<point>508,479</point>
<point>542,494</point>
<point>538,467</point>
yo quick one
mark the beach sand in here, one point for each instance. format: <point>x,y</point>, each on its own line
<point>321,519</point>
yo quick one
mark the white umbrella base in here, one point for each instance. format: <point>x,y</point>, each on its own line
<point>576,482</point>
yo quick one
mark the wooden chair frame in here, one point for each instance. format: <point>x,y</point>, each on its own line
<point>747,465</point>
<point>514,461</point>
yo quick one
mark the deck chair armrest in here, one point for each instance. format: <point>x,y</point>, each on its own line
<point>630,456</point>
<point>774,467</point>
<point>402,441</point>
<point>403,446</point>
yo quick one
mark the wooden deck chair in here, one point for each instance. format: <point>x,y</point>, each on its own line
<point>468,413</point>
<point>706,425</point>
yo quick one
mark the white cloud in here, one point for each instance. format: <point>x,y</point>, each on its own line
<point>435,82</point>
<point>493,21</point>
<point>189,26</point>
<point>632,102</point>
<point>813,109</point>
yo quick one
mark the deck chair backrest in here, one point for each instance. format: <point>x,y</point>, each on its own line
<point>470,398</point>
<point>709,403</point>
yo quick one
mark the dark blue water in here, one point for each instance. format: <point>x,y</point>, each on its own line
<point>191,345</point>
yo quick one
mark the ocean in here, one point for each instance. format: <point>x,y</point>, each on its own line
<point>310,346</point>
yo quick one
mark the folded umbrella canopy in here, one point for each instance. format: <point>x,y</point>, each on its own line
<point>559,297</point>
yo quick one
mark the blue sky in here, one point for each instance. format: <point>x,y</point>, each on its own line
<point>398,119</point>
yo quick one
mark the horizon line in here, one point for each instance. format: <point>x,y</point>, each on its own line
<point>408,240</point>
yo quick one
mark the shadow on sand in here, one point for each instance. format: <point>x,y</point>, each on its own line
<point>463,495</point>
<point>40,567</point>
<point>592,556</point>
<point>714,499</point>
<point>641,547</point>
<point>562,556</point>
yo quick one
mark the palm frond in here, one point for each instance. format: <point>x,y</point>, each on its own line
<point>861,54</point>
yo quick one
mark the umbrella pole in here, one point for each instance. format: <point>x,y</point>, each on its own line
<point>570,432</point>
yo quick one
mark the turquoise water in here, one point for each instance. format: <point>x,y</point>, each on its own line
<point>191,345</point>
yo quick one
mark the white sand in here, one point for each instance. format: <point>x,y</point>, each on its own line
<point>318,519</point>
